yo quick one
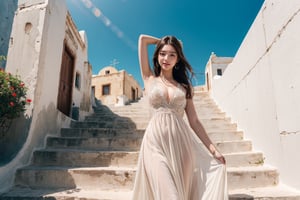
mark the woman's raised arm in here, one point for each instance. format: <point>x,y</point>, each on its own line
<point>144,41</point>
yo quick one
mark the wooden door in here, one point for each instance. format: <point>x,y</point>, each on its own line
<point>132,94</point>
<point>64,103</point>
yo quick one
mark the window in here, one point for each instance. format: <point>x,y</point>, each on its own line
<point>77,81</point>
<point>93,90</point>
<point>219,72</point>
<point>107,72</point>
<point>106,89</point>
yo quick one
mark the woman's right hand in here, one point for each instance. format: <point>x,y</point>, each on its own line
<point>217,155</point>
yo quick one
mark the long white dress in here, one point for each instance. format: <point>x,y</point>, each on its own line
<point>173,163</point>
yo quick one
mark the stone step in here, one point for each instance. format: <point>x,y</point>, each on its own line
<point>118,111</point>
<point>251,177</point>
<point>19,193</point>
<point>136,119</point>
<point>207,111</point>
<point>117,143</point>
<point>207,102</point>
<point>80,158</point>
<point>145,119</point>
<point>201,95</point>
<point>226,136</point>
<point>99,132</point>
<point>101,178</point>
<point>210,125</point>
<point>263,193</point>
<point>278,192</point>
<point>145,105</point>
<point>129,124</point>
<point>234,146</point>
<point>203,98</point>
<point>106,124</point>
<point>244,159</point>
<point>204,101</point>
<point>132,116</point>
<point>106,116</point>
<point>211,115</point>
<point>129,143</point>
<point>220,127</point>
<point>108,178</point>
<point>142,123</point>
<point>108,132</point>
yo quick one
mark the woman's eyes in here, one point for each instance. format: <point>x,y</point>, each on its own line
<point>164,54</point>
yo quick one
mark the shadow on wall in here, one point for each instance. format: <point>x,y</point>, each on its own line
<point>12,141</point>
<point>15,138</point>
<point>88,143</point>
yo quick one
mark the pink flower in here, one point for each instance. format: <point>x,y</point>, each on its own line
<point>12,104</point>
<point>14,94</point>
<point>22,84</point>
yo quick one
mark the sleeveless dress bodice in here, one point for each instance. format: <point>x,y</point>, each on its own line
<point>160,101</point>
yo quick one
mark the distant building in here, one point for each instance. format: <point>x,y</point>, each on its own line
<point>215,68</point>
<point>113,87</point>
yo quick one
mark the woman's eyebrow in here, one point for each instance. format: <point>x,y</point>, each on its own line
<point>168,51</point>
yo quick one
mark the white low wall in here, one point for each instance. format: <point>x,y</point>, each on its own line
<point>260,89</point>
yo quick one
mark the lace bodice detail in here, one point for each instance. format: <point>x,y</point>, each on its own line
<point>159,100</point>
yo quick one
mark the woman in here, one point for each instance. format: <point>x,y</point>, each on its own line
<point>173,164</point>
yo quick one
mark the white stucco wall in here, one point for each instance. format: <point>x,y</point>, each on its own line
<point>36,54</point>
<point>260,89</point>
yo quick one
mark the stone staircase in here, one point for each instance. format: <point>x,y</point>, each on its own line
<point>96,158</point>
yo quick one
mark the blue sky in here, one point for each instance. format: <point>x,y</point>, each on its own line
<point>204,26</point>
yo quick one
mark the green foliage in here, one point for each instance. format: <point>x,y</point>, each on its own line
<point>12,95</point>
<point>2,57</point>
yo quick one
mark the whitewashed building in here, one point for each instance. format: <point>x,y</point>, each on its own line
<point>51,57</point>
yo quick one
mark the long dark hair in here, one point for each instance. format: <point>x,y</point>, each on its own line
<point>182,72</point>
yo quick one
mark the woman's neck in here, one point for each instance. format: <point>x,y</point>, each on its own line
<point>167,76</point>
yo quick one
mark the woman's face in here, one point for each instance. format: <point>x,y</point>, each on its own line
<point>167,57</point>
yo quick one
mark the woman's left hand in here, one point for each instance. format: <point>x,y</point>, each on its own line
<point>217,155</point>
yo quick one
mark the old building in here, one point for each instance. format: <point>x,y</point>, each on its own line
<point>113,87</point>
<point>50,55</point>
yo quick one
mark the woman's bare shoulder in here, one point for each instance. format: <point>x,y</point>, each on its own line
<point>149,81</point>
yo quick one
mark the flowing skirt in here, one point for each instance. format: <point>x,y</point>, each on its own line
<point>174,165</point>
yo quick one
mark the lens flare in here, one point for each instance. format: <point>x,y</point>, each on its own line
<point>108,23</point>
